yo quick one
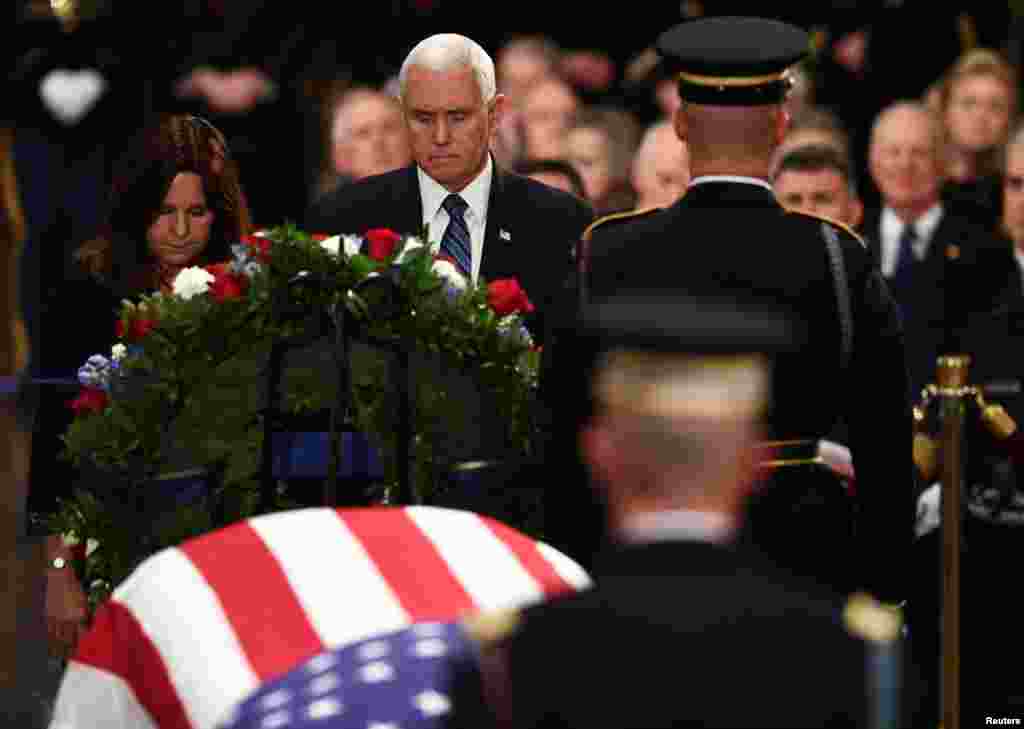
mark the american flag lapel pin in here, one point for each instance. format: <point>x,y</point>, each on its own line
<point>504,235</point>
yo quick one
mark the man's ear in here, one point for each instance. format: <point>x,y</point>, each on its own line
<point>498,106</point>
<point>856,212</point>
<point>681,124</point>
<point>598,451</point>
<point>782,119</point>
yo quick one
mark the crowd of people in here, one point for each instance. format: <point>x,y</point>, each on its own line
<point>737,261</point>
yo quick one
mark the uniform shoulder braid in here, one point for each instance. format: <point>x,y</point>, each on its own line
<point>620,217</point>
<point>831,221</point>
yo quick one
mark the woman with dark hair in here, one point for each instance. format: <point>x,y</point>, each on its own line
<point>175,202</point>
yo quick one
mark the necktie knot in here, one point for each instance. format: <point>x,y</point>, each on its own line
<point>454,205</point>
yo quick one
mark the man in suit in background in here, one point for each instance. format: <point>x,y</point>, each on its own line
<point>728,236</point>
<point>683,626</point>
<point>816,179</point>
<point>941,267</point>
<point>492,223</point>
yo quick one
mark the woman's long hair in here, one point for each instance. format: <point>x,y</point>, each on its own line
<point>177,143</point>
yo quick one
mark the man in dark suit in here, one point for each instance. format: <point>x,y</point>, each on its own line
<point>941,267</point>
<point>729,236</point>
<point>492,223</point>
<point>683,626</point>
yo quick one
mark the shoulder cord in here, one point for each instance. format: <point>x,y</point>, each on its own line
<point>835,254</point>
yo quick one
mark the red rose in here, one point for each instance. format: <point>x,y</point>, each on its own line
<point>89,400</point>
<point>227,285</point>
<point>218,269</point>
<point>119,328</point>
<point>506,297</point>
<point>142,327</point>
<point>260,246</point>
<point>319,237</point>
<point>382,243</point>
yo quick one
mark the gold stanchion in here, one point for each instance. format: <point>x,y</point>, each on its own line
<point>945,458</point>
<point>952,392</point>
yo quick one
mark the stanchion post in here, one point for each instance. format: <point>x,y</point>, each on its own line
<point>952,391</point>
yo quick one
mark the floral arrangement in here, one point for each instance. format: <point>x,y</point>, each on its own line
<point>181,388</point>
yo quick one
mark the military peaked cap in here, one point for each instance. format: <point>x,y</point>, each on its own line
<point>733,61</point>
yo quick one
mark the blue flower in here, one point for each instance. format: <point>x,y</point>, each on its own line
<point>95,372</point>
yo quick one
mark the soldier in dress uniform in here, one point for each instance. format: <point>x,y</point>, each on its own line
<point>684,626</point>
<point>729,236</point>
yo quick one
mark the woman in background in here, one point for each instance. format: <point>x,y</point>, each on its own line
<point>977,103</point>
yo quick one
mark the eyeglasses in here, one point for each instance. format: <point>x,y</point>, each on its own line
<point>1014,182</point>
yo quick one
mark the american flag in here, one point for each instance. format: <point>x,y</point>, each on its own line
<point>401,679</point>
<point>197,628</point>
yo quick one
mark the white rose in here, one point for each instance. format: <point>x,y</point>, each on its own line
<point>91,545</point>
<point>352,244</point>
<point>411,244</point>
<point>192,282</point>
<point>448,271</point>
<point>331,245</point>
<point>118,352</point>
<point>349,244</point>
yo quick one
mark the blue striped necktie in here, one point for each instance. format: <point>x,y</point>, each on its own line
<point>456,241</point>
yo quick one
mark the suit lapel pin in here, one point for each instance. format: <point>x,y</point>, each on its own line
<point>504,235</point>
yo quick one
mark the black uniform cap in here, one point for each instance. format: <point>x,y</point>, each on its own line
<point>733,61</point>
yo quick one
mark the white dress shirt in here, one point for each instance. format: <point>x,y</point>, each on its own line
<point>701,179</point>
<point>891,229</point>
<point>476,194</point>
<point>677,525</point>
<point>1020,261</point>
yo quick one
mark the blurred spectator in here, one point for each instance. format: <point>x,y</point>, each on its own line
<point>661,167</point>
<point>367,137</point>
<point>547,111</point>
<point>1012,223</point>
<point>523,62</point>
<point>818,126</point>
<point>940,266</point>
<point>977,103</point>
<point>591,72</point>
<point>600,144</point>
<point>556,173</point>
<point>816,179</point>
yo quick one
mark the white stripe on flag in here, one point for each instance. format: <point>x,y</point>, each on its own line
<point>93,699</point>
<point>339,587</point>
<point>566,568</point>
<point>486,568</point>
<point>183,617</point>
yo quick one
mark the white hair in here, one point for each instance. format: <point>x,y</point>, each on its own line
<point>447,51</point>
<point>916,107</point>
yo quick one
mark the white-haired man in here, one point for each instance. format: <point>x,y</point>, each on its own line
<point>492,223</point>
<point>941,267</point>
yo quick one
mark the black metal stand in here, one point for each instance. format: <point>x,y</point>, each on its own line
<point>345,331</point>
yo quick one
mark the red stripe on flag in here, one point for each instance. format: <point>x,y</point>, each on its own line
<point>530,557</point>
<point>268,619</point>
<point>410,563</point>
<point>117,644</point>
